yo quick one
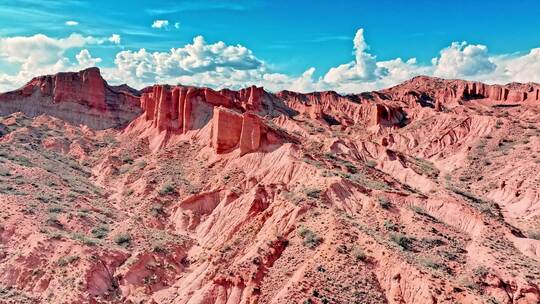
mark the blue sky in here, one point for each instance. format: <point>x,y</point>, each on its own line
<point>288,38</point>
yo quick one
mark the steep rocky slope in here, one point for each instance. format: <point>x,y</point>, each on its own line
<point>420,193</point>
<point>79,98</point>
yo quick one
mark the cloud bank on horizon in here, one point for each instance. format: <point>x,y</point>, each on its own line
<point>218,65</point>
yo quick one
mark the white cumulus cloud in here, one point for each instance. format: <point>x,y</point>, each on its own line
<point>40,49</point>
<point>519,68</point>
<point>30,56</point>
<point>86,60</point>
<point>115,38</point>
<point>72,23</point>
<point>195,58</point>
<point>160,24</point>
<point>463,60</point>
<point>220,65</point>
<point>363,68</point>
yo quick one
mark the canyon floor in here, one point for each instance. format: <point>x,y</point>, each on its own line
<point>427,192</point>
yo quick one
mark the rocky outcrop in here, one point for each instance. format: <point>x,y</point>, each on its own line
<point>439,92</point>
<point>333,108</point>
<point>386,115</point>
<point>247,132</point>
<point>173,108</point>
<point>84,87</point>
<point>252,131</point>
<point>234,115</point>
<point>181,108</point>
<point>77,97</point>
<point>226,130</point>
<point>250,99</point>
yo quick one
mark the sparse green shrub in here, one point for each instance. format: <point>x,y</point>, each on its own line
<point>534,235</point>
<point>429,262</point>
<point>123,239</point>
<point>159,247</point>
<point>371,163</point>
<point>124,169</point>
<point>311,239</point>
<point>492,300</point>
<point>481,271</point>
<point>4,172</point>
<point>313,193</point>
<point>449,255</point>
<point>126,159</point>
<point>432,242</point>
<point>419,210</point>
<point>141,164</point>
<point>359,254</point>
<point>389,225</point>
<point>167,188</point>
<point>83,238</point>
<point>467,195</point>
<point>384,203</point>
<point>292,197</point>
<point>426,167</point>
<point>100,232</point>
<point>63,261</point>
<point>21,160</point>
<point>351,168</point>
<point>53,221</point>
<point>330,155</point>
<point>55,209</point>
<point>157,210</point>
<point>403,241</point>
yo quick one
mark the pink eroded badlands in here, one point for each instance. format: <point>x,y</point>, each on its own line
<point>426,192</point>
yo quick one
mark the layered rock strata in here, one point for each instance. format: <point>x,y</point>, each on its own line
<point>77,97</point>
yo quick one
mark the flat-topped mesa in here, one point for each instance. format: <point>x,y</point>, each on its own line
<point>440,93</point>
<point>78,97</point>
<point>247,132</point>
<point>86,86</point>
<point>181,108</point>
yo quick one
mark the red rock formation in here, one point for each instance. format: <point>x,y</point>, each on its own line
<point>180,109</point>
<point>346,110</point>
<point>334,217</point>
<point>81,98</point>
<point>430,90</point>
<point>232,130</point>
<point>84,87</point>
<point>250,138</point>
<point>250,99</point>
<point>386,115</point>
<point>170,108</point>
<point>226,129</point>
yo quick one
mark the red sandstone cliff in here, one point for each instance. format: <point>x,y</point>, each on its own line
<point>252,197</point>
<point>369,109</point>
<point>447,93</point>
<point>233,115</point>
<point>82,98</point>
